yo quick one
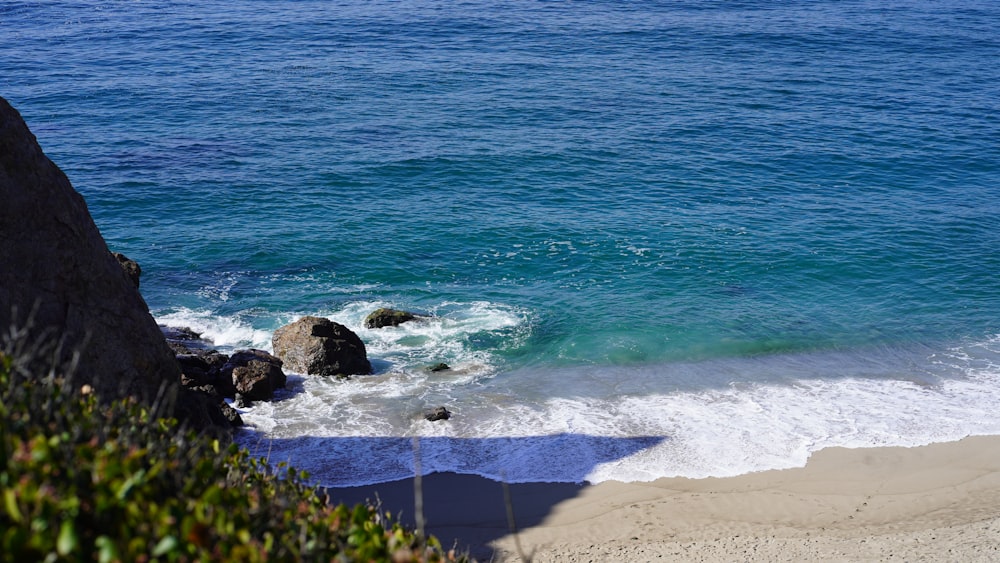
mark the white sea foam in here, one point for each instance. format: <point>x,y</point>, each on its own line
<point>557,425</point>
<point>223,331</point>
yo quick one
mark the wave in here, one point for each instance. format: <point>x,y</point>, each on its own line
<point>715,418</point>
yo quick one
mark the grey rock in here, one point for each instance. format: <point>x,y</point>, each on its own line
<point>318,346</point>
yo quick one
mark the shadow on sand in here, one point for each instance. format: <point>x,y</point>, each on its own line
<point>460,507</point>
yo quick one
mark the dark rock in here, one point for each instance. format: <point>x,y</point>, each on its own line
<point>441,366</point>
<point>219,413</point>
<point>194,370</point>
<point>439,413</point>
<point>181,333</point>
<point>183,340</point>
<point>208,390</point>
<point>253,373</point>
<point>241,401</point>
<point>232,415</point>
<point>202,410</point>
<point>318,346</point>
<point>131,267</point>
<point>256,381</point>
<point>215,360</point>
<point>202,367</point>
<point>58,278</point>
<point>388,317</point>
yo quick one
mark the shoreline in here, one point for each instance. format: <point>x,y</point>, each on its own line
<point>939,501</point>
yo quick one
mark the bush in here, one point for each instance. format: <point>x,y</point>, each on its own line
<point>86,480</point>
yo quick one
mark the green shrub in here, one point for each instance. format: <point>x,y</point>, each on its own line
<point>86,480</point>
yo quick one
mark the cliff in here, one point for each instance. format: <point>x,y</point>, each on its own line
<point>56,268</point>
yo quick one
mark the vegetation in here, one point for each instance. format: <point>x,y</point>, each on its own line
<point>86,480</point>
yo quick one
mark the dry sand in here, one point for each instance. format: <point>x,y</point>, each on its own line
<point>933,503</point>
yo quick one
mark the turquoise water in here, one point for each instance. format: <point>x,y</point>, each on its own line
<point>742,230</point>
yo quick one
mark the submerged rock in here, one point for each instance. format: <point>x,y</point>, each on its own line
<point>388,317</point>
<point>318,346</point>
<point>183,340</point>
<point>439,413</point>
<point>440,366</point>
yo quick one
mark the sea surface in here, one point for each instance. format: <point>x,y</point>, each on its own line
<point>658,238</point>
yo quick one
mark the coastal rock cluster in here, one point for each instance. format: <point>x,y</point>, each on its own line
<point>310,345</point>
<point>59,282</point>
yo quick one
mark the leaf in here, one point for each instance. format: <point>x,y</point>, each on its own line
<point>129,483</point>
<point>67,538</point>
<point>165,545</point>
<point>10,503</point>
<point>107,552</point>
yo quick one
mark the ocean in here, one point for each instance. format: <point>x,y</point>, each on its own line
<point>665,238</point>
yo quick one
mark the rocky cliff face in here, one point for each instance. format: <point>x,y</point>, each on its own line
<point>53,261</point>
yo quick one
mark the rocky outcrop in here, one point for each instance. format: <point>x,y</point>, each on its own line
<point>318,346</point>
<point>131,267</point>
<point>253,375</point>
<point>389,317</point>
<point>57,274</point>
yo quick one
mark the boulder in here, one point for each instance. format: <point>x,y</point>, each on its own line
<point>254,374</point>
<point>388,317</point>
<point>59,280</point>
<point>318,346</point>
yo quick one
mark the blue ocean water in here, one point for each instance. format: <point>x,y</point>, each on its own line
<point>657,238</point>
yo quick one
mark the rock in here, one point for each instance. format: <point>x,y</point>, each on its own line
<point>201,367</point>
<point>180,334</point>
<point>256,381</point>
<point>241,401</point>
<point>183,340</point>
<point>253,373</point>
<point>439,413</point>
<point>58,278</point>
<point>203,408</point>
<point>232,415</point>
<point>388,317</point>
<point>131,267</point>
<point>318,346</point>
<point>440,366</point>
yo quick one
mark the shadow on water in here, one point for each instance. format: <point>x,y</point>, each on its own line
<point>461,505</point>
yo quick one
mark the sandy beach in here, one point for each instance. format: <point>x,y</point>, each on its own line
<point>933,503</point>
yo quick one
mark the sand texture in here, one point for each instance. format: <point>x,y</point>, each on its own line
<point>933,503</point>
